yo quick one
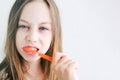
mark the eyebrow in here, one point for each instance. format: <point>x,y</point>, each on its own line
<point>22,20</point>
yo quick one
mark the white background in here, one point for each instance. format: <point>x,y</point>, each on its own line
<point>91,35</point>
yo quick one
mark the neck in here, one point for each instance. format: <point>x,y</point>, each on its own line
<point>34,70</point>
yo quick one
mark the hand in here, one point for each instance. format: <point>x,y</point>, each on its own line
<point>64,67</point>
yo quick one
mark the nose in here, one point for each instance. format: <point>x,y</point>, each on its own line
<point>32,37</point>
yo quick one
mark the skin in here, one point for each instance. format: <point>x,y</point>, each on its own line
<point>34,30</point>
<point>64,67</point>
<point>34,17</point>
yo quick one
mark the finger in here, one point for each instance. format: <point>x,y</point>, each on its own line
<point>73,66</point>
<point>70,65</point>
<point>62,63</point>
<point>56,58</point>
<point>63,59</point>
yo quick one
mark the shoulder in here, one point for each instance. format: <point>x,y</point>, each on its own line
<point>3,75</point>
<point>3,70</point>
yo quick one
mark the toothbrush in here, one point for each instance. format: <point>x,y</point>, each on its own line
<point>39,54</point>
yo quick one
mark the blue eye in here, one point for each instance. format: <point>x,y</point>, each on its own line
<point>22,26</point>
<point>43,28</point>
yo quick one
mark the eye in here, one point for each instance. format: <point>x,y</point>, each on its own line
<point>43,28</point>
<point>23,27</point>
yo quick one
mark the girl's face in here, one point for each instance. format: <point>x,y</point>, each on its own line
<point>34,29</point>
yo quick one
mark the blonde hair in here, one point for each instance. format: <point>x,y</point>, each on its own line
<point>11,67</point>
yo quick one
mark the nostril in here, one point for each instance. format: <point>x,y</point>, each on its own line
<point>32,41</point>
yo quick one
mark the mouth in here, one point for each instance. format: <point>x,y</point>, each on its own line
<point>30,50</point>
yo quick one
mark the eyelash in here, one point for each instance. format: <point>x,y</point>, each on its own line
<point>43,28</point>
<point>25,27</point>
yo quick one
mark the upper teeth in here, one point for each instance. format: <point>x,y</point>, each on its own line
<point>36,49</point>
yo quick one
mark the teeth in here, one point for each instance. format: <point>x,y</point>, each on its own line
<point>35,49</point>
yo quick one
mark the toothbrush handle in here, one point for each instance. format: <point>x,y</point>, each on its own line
<point>45,56</point>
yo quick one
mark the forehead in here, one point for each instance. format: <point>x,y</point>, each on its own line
<point>36,12</point>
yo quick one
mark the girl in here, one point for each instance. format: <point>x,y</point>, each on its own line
<point>35,24</point>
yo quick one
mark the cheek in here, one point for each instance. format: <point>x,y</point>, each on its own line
<point>19,39</point>
<point>47,41</point>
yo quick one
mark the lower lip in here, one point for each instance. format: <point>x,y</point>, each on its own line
<point>29,53</point>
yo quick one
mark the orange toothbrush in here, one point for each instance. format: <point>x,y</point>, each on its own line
<point>28,49</point>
